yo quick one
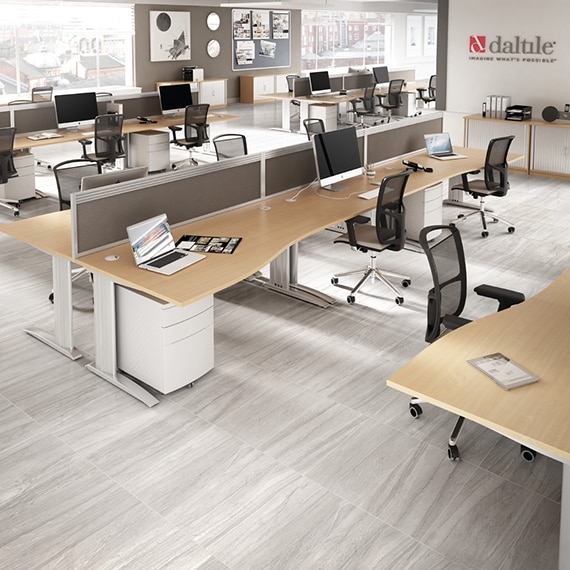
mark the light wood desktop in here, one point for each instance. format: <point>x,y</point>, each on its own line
<point>271,230</point>
<point>535,335</point>
<point>129,126</point>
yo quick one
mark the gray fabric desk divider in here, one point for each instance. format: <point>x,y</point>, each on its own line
<point>140,105</point>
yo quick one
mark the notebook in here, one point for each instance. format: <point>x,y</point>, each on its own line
<point>439,146</point>
<point>153,247</point>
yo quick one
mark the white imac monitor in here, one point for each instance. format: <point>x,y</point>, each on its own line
<point>113,177</point>
<point>320,82</point>
<point>74,110</point>
<point>337,157</point>
<point>174,98</point>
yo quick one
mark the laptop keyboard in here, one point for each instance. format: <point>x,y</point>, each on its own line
<point>166,259</point>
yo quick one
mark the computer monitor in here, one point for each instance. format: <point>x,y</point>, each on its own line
<point>320,82</point>
<point>381,74</point>
<point>174,98</point>
<point>74,110</point>
<point>337,157</point>
<point>113,177</point>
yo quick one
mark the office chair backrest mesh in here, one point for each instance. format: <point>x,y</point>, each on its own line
<point>291,82</point>
<point>195,119</point>
<point>230,146</point>
<point>369,99</point>
<point>313,126</point>
<point>109,136</point>
<point>447,264</point>
<point>432,87</point>
<point>390,211</point>
<point>7,168</point>
<point>68,177</point>
<point>394,92</point>
<point>496,166</point>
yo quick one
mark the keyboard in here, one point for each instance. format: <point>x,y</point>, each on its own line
<point>166,259</point>
<point>371,194</point>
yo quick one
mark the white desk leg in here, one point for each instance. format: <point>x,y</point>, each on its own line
<point>105,365</point>
<point>303,110</point>
<point>283,279</point>
<point>62,339</point>
<point>286,114</point>
<point>564,553</point>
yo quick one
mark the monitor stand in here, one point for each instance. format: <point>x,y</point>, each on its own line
<point>336,187</point>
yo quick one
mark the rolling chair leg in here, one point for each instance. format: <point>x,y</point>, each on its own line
<point>484,213</point>
<point>373,273</point>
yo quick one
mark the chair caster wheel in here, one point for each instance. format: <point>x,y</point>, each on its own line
<point>416,411</point>
<point>485,234</point>
<point>451,225</point>
<point>528,454</point>
<point>495,221</point>
<point>459,216</point>
<point>406,283</point>
<point>399,300</point>
<point>51,297</point>
<point>452,452</point>
<point>511,229</point>
<point>350,299</point>
<point>334,280</point>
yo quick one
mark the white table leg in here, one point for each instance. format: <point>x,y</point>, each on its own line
<point>62,339</point>
<point>105,365</point>
<point>564,553</point>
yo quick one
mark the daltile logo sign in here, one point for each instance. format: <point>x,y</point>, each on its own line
<point>513,49</point>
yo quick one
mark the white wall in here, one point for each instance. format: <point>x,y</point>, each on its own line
<point>539,84</point>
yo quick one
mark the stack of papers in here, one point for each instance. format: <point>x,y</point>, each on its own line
<point>503,371</point>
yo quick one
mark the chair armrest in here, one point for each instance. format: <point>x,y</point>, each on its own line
<point>506,297</point>
<point>351,224</point>
<point>84,143</point>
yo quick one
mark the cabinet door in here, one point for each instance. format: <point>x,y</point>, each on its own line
<point>213,92</point>
<point>551,150</point>
<point>263,85</point>
<point>281,84</point>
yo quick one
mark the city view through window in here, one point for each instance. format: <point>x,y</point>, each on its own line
<point>65,46</point>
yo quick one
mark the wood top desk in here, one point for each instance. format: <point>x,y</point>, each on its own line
<point>269,236</point>
<point>535,334</point>
<point>129,126</point>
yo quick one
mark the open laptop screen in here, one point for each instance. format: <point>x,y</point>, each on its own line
<point>150,238</point>
<point>438,143</point>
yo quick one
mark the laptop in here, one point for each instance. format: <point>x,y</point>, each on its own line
<point>439,146</point>
<point>153,247</point>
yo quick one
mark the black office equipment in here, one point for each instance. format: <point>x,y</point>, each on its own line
<point>389,232</point>
<point>320,83</point>
<point>174,98</point>
<point>518,113</point>
<point>381,74</point>
<point>446,301</point>
<point>337,157</point>
<point>75,109</point>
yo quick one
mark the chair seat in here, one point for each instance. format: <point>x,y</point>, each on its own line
<point>479,188</point>
<point>366,238</point>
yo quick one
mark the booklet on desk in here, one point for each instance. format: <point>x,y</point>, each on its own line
<point>42,136</point>
<point>503,371</point>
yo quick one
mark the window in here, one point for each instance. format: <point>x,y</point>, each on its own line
<point>344,45</point>
<point>66,45</point>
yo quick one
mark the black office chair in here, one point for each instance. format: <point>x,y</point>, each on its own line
<point>393,99</point>
<point>108,137</point>
<point>230,145</point>
<point>365,106</point>
<point>7,167</point>
<point>290,85</point>
<point>388,233</point>
<point>494,183</point>
<point>446,300</point>
<point>313,126</point>
<point>68,175</point>
<point>195,131</point>
<point>427,94</point>
<point>42,94</point>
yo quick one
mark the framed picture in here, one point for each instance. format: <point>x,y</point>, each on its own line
<point>169,36</point>
<point>430,35</point>
<point>414,42</point>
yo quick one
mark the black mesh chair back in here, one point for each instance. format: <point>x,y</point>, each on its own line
<point>313,126</point>
<point>392,99</point>
<point>230,145</point>
<point>369,98</point>
<point>446,259</point>
<point>7,168</point>
<point>68,177</point>
<point>109,137</point>
<point>195,124</point>
<point>391,212</point>
<point>42,94</point>
<point>291,82</point>
<point>427,94</point>
<point>496,166</point>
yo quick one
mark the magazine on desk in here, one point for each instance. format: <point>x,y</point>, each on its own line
<point>42,136</point>
<point>503,371</point>
<point>208,244</point>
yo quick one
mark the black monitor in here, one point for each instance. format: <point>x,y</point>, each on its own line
<point>381,74</point>
<point>320,82</point>
<point>336,157</point>
<point>174,98</point>
<point>75,109</point>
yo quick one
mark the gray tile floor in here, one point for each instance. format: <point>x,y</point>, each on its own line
<point>292,453</point>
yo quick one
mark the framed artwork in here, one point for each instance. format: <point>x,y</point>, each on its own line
<point>169,36</point>
<point>430,35</point>
<point>414,43</point>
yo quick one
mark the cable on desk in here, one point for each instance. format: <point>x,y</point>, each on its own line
<point>294,198</point>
